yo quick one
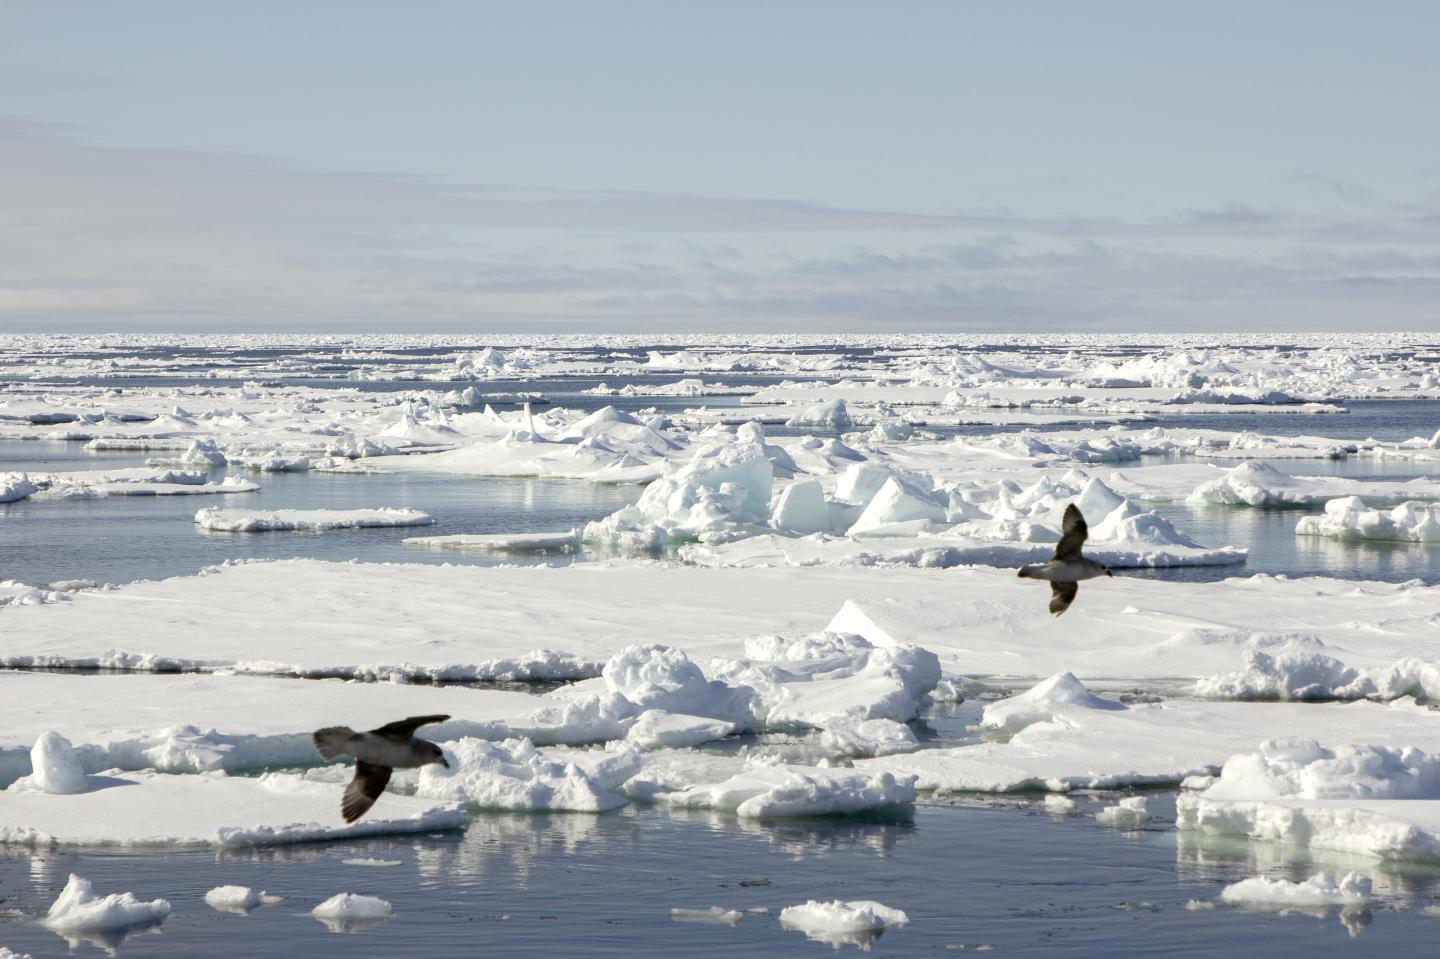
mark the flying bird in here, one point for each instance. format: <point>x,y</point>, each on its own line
<point>1068,567</point>
<point>378,753</point>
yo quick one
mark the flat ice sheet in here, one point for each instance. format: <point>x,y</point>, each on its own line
<point>321,618</point>
<point>155,809</point>
<point>1150,744</point>
<point>317,618</point>
<point>204,721</point>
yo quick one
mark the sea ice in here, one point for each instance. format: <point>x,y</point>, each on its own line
<point>155,809</point>
<point>1037,704</point>
<point>1349,518</point>
<point>311,520</point>
<point>1352,889</point>
<point>870,737</point>
<point>350,911</point>
<point>767,791</point>
<point>1256,484</point>
<point>835,920</point>
<point>720,914</point>
<point>514,775</point>
<point>1128,813</point>
<point>80,909</point>
<point>240,899</point>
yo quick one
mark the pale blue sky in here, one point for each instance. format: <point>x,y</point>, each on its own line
<point>687,166</point>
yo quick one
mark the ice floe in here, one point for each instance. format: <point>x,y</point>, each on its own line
<point>838,922</point>
<point>351,911</point>
<point>1381,802</point>
<point>1256,484</point>
<point>80,909</point>
<point>157,809</point>
<point>1350,518</point>
<point>1351,889</point>
<point>237,899</point>
<point>309,520</point>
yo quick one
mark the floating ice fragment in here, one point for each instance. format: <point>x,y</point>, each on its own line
<point>238,899</point>
<point>1127,814</point>
<point>1353,889</point>
<point>1058,805</point>
<point>79,909</point>
<point>351,912</point>
<point>718,914</point>
<point>837,922</point>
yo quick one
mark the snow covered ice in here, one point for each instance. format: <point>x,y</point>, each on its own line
<point>840,922</point>
<point>80,909</point>
<point>352,912</point>
<point>810,579</point>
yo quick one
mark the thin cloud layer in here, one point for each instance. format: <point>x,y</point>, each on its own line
<point>107,238</point>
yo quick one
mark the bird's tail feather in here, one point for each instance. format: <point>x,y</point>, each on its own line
<point>1028,572</point>
<point>332,740</point>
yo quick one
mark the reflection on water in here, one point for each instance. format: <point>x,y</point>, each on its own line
<point>1001,873</point>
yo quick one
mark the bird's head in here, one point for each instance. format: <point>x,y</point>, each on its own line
<point>436,755</point>
<point>1107,572</point>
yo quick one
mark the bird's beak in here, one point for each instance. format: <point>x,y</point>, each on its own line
<point>444,762</point>
<point>1108,573</point>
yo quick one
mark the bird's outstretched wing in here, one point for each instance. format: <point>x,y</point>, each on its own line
<point>1073,532</point>
<point>1062,595</point>
<point>402,729</point>
<point>364,789</point>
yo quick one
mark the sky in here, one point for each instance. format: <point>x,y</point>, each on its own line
<point>679,166</point>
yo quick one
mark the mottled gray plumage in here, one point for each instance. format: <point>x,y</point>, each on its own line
<point>377,753</point>
<point>1069,566</point>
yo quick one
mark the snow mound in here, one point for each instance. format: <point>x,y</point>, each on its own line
<point>1301,768</point>
<point>1308,675</point>
<point>56,768</point>
<point>821,679</point>
<point>514,775</point>
<point>721,493</point>
<point>662,677</point>
<point>1038,704</point>
<point>309,520</point>
<point>79,909</point>
<point>830,415</point>
<point>1129,813</point>
<point>1352,889</point>
<point>1350,518</point>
